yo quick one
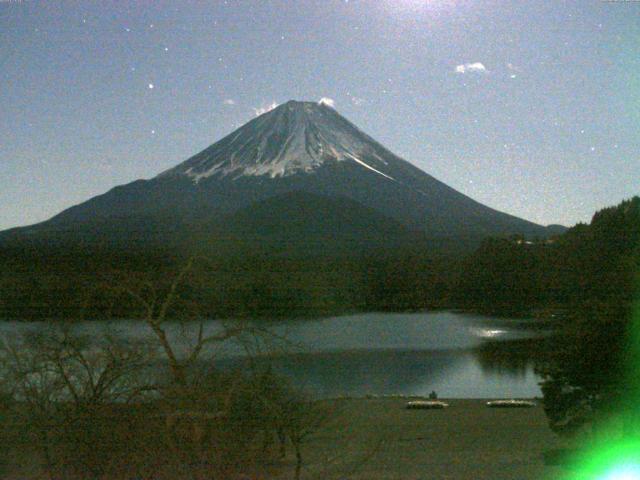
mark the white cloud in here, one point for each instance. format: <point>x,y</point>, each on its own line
<point>229,101</point>
<point>475,67</point>
<point>329,102</point>
<point>262,110</point>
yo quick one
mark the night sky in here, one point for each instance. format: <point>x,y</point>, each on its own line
<point>531,107</point>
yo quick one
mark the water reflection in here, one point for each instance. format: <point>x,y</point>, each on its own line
<point>362,372</point>
<point>457,355</point>
<point>514,358</point>
<point>451,373</point>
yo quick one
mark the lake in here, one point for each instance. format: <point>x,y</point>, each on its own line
<point>373,353</point>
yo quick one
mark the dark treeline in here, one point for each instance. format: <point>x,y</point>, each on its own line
<point>54,283</point>
<point>589,264</point>
<point>592,368</point>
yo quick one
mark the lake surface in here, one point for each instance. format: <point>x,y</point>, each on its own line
<point>369,354</point>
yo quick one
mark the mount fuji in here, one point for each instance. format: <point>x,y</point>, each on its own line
<point>298,171</point>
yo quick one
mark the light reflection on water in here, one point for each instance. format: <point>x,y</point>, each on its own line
<point>488,333</point>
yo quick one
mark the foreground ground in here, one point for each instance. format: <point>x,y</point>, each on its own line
<point>379,439</point>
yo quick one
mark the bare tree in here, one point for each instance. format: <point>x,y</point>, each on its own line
<point>38,390</point>
<point>213,416</point>
<point>66,384</point>
<point>301,419</point>
<point>79,392</point>
<point>198,406</point>
<point>157,306</point>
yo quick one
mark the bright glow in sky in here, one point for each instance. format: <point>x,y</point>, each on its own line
<point>528,107</point>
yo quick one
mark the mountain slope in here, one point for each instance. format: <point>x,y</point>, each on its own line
<point>301,223</point>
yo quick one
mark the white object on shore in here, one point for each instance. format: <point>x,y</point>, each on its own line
<point>425,405</point>
<point>511,404</point>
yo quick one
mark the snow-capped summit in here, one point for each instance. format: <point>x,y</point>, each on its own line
<point>296,137</point>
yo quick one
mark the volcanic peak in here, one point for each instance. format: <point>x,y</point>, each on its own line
<point>293,138</point>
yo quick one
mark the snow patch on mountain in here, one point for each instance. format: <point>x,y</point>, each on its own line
<point>369,166</point>
<point>294,138</point>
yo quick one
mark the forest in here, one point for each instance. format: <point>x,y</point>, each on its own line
<point>582,282</point>
<point>589,264</point>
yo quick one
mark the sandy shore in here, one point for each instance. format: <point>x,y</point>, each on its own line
<point>380,439</point>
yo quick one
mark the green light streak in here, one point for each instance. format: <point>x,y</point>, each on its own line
<point>616,453</point>
<point>619,461</point>
<point>632,379</point>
